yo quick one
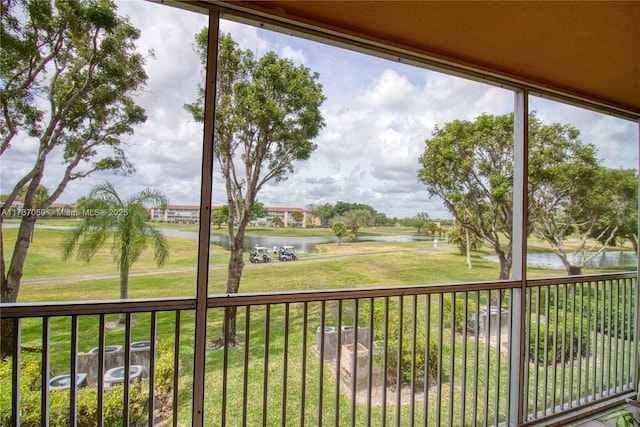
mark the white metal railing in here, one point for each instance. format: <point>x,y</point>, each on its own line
<point>415,355</point>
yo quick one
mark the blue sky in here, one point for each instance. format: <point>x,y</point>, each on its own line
<point>378,114</point>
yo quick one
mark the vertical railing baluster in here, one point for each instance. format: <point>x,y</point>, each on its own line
<point>15,370</point>
<point>303,371</point>
<point>44,371</point>
<point>626,351</point>
<point>510,368</point>
<point>399,360</point>
<point>414,320</point>
<point>265,376</point>
<point>440,367</point>
<point>545,362</point>
<point>590,337</point>
<point>528,321</point>
<point>321,363</point>
<point>580,344</point>
<point>536,355</point>
<point>370,361</point>
<point>564,346</point>
<point>285,365</point>
<point>245,373</point>
<point>385,352</point>
<point>554,373</point>
<point>463,367</point>
<point>487,357</point>
<point>596,317</point>
<point>73,382</point>
<point>153,350</point>
<point>127,369</point>
<point>572,333</point>
<point>476,355</point>
<point>602,341</point>
<point>100,370</point>
<point>176,367</point>
<point>336,414</point>
<point>496,420</point>
<point>225,365</point>
<point>427,358</point>
<point>609,329</point>
<point>616,336</point>
<point>630,285</point>
<point>354,363</point>
<point>452,354</point>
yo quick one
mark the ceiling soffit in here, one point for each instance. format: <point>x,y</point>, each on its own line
<point>582,52</point>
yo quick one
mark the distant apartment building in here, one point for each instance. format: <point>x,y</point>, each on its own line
<point>175,213</point>
<point>191,214</point>
<point>286,216</point>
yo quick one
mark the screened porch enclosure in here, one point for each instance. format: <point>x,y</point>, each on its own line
<point>537,348</point>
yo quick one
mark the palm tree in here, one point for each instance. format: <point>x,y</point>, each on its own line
<point>106,215</point>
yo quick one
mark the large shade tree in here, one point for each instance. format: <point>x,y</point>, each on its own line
<point>582,220</point>
<point>267,114</point>
<point>69,72</point>
<point>469,165</point>
<point>419,222</point>
<point>324,212</point>
<point>578,204</point>
<point>125,222</point>
<point>355,219</point>
<point>625,203</point>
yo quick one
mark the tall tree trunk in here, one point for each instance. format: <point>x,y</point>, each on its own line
<point>236,265</point>
<point>466,232</point>
<point>124,289</point>
<point>574,270</point>
<point>11,282</point>
<point>505,263</point>
<point>228,334</point>
<point>505,274</point>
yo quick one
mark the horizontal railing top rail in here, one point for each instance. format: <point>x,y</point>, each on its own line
<point>40,309</point>
<point>581,278</point>
<point>72,308</point>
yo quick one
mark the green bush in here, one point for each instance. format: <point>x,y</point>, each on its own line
<point>406,346</point>
<point>459,320</point>
<point>87,398</point>
<point>406,356</point>
<point>538,332</point>
<point>613,319</point>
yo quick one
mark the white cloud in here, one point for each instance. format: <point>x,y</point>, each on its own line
<point>295,55</point>
<point>389,91</point>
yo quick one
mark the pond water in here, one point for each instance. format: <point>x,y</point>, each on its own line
<point>611,259</point>
<point>306,244</point>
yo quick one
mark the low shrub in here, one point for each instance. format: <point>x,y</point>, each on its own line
<point>545,332</point>
<point>447,312</point>
<point>86,398</point>
<point>405,347</point>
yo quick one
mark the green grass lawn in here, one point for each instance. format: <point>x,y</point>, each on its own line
<point>44,258</point>
<point>334,266</point>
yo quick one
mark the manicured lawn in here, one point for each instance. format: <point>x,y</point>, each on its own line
<point>44,258</point>
<point>349,265</point>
